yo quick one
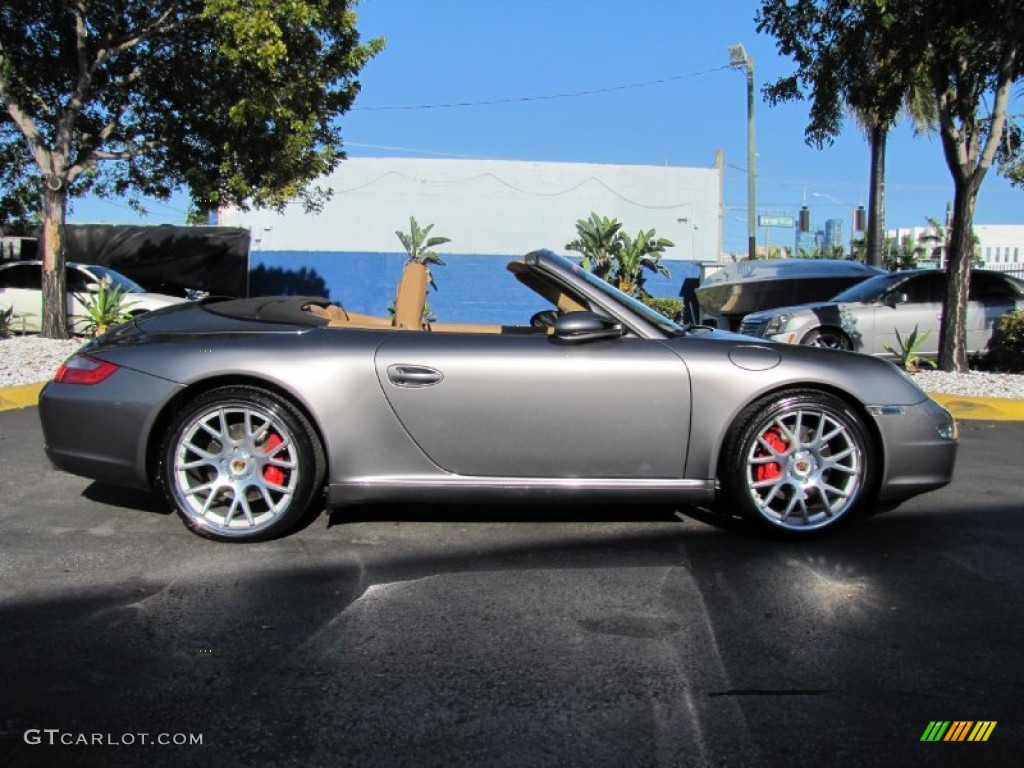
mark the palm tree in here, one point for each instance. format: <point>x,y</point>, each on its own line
<point>637,255</point>
<point>599,240</point>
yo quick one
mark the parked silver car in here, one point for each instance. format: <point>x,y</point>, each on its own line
<point>21,289</point>
<point>248,414</point>
<point>866,316</point>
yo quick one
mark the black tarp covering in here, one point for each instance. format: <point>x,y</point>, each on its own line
<point>166,258</point>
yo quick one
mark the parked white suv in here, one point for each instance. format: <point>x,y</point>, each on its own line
<point>21,289</point>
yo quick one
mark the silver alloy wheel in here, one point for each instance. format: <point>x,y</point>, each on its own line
<point>828,339</point>
<point>804,469</point>
<point>235,468</point>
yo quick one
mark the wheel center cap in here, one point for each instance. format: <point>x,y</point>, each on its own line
<point>239,465</point>
<point>802,465</point>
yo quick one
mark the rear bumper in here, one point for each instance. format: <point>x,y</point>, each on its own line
<point>101,431</point>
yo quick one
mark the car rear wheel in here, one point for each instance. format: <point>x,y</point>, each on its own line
<point>828,338</point>
<point>241,464</point>
<point>797,462</point>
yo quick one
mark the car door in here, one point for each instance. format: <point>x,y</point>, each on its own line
<point>917,305</point>
<point>990,296</point>
<point>497,405</point>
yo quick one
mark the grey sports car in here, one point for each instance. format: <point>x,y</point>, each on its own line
<point>249,414</point>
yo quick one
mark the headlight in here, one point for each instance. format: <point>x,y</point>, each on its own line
<point>777,324</point>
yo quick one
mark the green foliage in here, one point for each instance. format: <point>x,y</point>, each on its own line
<point>418,243</point>
<point>235,100</point>
<point>418,246</point>
<point>1006,350</point>
<point>6,318</point>
<point>636,256</point>
<point>670,308</point>
<point>598,240</point>
<point>907,352</point>
<point>614,256</point>
<point>902,256</point>
<point>107,307</point>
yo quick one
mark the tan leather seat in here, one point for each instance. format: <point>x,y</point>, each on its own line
<point>411,296</point>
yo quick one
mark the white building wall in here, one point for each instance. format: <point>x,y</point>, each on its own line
<point>1000,246</point>
<point>494,207</point>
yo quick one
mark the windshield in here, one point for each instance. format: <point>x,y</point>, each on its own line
<point>618,297</point>
<point>116,279</point>
<point>871,289</point>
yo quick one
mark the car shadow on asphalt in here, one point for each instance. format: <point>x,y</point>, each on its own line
<point>127,498</point>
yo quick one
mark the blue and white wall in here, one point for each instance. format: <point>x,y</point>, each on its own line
<point>494,206</point>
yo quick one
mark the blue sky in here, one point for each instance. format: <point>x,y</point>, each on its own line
<point>456,51</point>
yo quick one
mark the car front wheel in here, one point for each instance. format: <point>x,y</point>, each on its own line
<point>797,462</point>
<point>828,338</point>
<point>241,464</point>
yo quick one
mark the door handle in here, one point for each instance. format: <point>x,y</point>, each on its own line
<point>413,375</point>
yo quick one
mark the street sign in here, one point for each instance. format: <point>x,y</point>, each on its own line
<point>776,221</point>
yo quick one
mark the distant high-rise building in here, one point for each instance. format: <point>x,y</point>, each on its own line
<point>833,234</point>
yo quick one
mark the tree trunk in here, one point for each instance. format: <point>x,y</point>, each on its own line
<point>953,336</point>
<point>875,255</point>
<point>55,315</point>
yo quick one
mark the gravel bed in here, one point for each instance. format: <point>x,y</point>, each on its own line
<point>29,359</point>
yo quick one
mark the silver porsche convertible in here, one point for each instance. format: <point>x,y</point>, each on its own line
<point>247,415</point>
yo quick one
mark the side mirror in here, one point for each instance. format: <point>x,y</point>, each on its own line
<point>92,287</point>
<point>892,299</point>
<point>577,327</point>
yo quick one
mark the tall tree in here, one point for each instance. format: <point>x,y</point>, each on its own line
<point>974,53</point>
<point>235,101</point>
<point>845,63</point>
<point>970,55</point>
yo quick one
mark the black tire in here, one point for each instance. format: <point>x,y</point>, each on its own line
<point>829,338</point>
<point>240,463</point>
<point>797,463</point>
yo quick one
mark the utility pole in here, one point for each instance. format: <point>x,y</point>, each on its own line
<point>738,57</point>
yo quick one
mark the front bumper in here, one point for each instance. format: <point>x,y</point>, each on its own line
<point>921,444</point>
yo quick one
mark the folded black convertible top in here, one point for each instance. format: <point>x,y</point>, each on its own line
<point>293,310</point>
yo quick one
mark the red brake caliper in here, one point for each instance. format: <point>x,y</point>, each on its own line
<point>771,470</point>
<point>273,474</point>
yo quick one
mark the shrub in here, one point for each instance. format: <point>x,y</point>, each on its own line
<point>107,307</point>
<point>1006,350</point>
<point>6,316</point>
<point>907,352</point>
<point>670,308</point>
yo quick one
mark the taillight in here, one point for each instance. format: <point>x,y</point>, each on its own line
<point>82,369</point>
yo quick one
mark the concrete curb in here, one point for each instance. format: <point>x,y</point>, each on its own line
<point>963,408</point>
<point>23,396</point>
<point>981,408</point>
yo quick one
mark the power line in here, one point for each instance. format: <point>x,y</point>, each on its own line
<point>543,97</point>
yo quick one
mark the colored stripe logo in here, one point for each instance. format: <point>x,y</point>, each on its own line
<point>958,730</point>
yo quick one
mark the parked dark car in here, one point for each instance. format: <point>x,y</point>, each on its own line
<point>742,287</point>
<point>248,414</point>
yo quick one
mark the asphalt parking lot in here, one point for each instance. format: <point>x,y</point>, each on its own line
<point>508,637</point>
